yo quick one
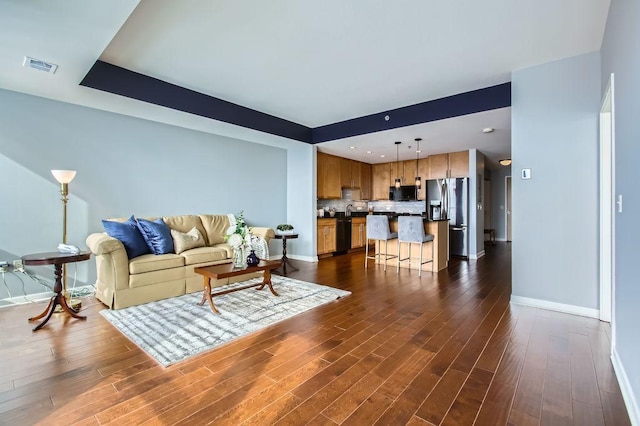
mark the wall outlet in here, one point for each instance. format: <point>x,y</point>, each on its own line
<point>18,266</point>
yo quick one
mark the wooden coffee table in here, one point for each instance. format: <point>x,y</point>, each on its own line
<point>226,270</point>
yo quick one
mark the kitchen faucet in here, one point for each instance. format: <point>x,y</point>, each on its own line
<point>347,210</point>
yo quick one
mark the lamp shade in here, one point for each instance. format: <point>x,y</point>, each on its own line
<point>63,176</point>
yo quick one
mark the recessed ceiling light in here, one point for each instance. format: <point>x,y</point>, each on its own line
<point>382,156</point>
<point>418,151</point>
<point>488,130</point>
<point>352,147</point>
<point>369,152</point>
<point>505,161</point>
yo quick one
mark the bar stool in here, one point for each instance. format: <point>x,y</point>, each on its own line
<point>378,229</point>
<point>411,230</point>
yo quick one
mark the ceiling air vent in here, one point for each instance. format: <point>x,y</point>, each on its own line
<point>39,65</point>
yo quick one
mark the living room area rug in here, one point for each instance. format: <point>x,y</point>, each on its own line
<point>174,329</point>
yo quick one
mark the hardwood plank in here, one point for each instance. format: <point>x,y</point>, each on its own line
<point>434,408</point>
<point>556,397</point>
<point>587,415</point>
<point>369,411</point>
<point>348,402</point>
<point>467,404</point>
<point>584,385</point>
<point>613,409</point>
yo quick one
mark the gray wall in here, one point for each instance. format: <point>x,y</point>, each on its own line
<point>498,201</point>
<point>476,217</point>
<point>621,55</point>
<point>555,110</point>
<point>125,166</point>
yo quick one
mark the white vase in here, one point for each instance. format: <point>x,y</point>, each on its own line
<point>239,257</point>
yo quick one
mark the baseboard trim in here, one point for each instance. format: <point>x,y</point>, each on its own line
<point>625,388</point>
<point>554,306</point>
<point>303,258</point>
<point>477,255</point>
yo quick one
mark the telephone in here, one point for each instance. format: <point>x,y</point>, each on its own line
<point>68,248</point>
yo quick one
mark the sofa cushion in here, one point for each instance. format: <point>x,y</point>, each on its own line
<point>153,262</point>
<point>185,223</point>
<point>216,226</point>
<point>157,235</point>
<point>129,234</point>
<point>191,239</point>
<point>204,254</point>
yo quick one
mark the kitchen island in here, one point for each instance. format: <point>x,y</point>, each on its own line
<point>440,231</point>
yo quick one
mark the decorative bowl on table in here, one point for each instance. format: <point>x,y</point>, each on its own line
<point>284,229</point>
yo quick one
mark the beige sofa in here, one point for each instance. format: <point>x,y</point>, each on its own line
<point>122,282</point>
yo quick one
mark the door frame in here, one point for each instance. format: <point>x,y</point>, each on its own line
<point>607,203</point>
<point>507,209</point>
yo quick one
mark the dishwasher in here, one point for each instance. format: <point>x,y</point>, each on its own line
<point>343,233</point>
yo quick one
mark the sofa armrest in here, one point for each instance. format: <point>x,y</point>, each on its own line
<point>266,233</point>
<point>112,263</point>
<point>101,243</point>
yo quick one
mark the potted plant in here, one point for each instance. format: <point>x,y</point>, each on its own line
<point>284,229</point>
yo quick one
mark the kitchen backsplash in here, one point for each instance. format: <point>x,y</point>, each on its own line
<point>415,207</point>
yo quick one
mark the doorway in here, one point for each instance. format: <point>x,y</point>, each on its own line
<point>607,203</point>
<point>507,210</point>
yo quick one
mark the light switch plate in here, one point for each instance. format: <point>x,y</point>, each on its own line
<point>526,173</point>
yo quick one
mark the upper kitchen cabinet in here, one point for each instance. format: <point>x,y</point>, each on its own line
<point>350,173</point>
<point>328,176</point>
<point>459,164</point>
<point>451,165</point>
<point>365,181</point>
<point>438,166</point>
<point>381,180</point>
<point>423,172</point>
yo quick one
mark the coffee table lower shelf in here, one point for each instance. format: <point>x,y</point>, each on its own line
<point>227,270</point>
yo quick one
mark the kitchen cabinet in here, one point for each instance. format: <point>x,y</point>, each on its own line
<point>328,176</point>
<point>423,172</point>
<point>450,165</point>
<point>381,180</point>
<point>439,166</point>
<point>459,164</point>
<point>350,175</point>
<point>326,236</point>
<point>365,181</point>
<point>358,232</point>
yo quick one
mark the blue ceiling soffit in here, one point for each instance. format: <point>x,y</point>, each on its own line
<point>120,81</point>
<point>452,106</point>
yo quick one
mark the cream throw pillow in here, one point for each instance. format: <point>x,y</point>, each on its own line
<point>183,242</point>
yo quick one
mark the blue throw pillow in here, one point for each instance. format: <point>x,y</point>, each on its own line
<point>129,234</point>
<point>157,235</point>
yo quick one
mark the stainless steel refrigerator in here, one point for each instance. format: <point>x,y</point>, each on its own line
<point>449,199</point>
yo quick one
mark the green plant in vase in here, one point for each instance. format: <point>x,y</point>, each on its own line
<point>284,228</point>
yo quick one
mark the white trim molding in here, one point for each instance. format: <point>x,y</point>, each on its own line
<point>625,388</point>
<point>554,306</point>
<point>477,255</point>
<point>303,258</point>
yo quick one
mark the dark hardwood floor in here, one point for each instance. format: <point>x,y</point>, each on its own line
<point>446,348</point>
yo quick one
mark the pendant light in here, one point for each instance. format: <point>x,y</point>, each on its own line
<point>418,180</point>
<point>398,180</point>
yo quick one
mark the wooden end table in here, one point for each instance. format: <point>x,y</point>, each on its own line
<point>57,259</point>
<point>285,259</point>
<point>226,270</point>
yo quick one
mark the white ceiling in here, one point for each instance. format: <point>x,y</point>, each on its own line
<point>313,63</point>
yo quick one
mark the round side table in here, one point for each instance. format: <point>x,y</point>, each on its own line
<point>57,259</point>
<point>285,259</point>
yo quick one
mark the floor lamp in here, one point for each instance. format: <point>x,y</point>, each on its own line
<point>64,177</point>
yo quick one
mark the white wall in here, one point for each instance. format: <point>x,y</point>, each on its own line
<point>127,166</point>
<point>498,201</point>
<point>555,110</point>
<point>621,55</point>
